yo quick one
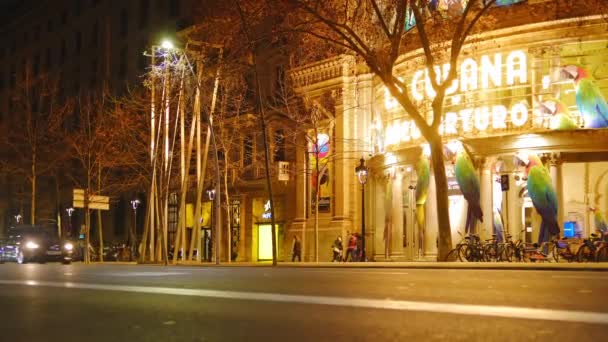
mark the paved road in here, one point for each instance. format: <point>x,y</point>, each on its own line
<point>152,303</point>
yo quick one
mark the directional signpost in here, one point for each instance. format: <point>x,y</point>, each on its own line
<point>91,202</point>
<point>95,202</point>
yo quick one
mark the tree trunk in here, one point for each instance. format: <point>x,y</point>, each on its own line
<point>33,199</point>
<point>444,243</point>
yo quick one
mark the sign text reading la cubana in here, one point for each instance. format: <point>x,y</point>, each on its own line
<point>499,70</point>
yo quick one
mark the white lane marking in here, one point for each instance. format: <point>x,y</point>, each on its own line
<point>598,277</point>
<point>141,274</point>
<point>342,272</point>
<point>388,304</point>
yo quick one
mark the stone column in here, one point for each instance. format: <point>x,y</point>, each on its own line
<point>396,231</point>
<point>514,206</point>
<point>555,169</point>
<point>486,198</point>
<point>298,225</point>
<point>432,224</point>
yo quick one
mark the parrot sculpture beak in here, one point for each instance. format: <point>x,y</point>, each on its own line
<point>569,72</point>
<point>522,159</point>
<point>548,107</point>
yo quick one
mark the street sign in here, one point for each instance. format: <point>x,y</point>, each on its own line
<point>95,201</point>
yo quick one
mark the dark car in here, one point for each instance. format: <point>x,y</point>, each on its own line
<point>28,243</point>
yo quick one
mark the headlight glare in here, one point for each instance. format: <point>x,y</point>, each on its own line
<point>31,245</point>
<point>68,246</point>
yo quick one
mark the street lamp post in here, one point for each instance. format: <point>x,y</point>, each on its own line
<point>211,195</point>
<point>70,211</point>
<point>134,204</point>
<point>361,171</point>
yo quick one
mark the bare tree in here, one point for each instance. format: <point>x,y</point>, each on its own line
<point>35,141</point>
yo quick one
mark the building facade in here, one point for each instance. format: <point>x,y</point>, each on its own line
<point>497,108</point>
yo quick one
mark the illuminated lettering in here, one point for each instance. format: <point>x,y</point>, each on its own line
<point>519,114</point>
<point>415,80</point>
<point>491,71</point>
<point>465,118</point>
<point>449,123</point>
<point>517,67</point>
<point>499,117</point>
<point>468,75</point>
<point>482,118</point>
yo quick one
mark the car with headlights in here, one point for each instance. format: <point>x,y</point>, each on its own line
<point>31,243</point>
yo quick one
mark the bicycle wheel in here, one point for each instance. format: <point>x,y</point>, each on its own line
<point>585,254</point>
<point>507,253</point>
<point>602,254</point>
<point>452,255</point>
<point>464,253</point>
<point>555,252</point>
<point>490,253</point>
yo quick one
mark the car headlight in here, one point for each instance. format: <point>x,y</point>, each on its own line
<point>68,246</point>
<point>31,245</point>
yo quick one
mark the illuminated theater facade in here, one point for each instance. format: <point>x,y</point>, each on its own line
<point>510,84</point>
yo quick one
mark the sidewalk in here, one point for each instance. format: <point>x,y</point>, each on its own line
<point>420,265</point>
<point>549,266</point>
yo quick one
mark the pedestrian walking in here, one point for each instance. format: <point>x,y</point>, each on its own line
<point>297,249</point>
<point>337,249</point>
<point>351,249</point>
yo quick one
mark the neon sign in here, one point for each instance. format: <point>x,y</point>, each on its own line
<point>483,74</point>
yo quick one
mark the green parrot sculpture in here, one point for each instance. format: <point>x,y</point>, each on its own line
<point>561,119</point>
<point>599,220</point>
<point>543,195</point>
<point>468,181</point>
<point>589,99</point>
<point>423,172</point>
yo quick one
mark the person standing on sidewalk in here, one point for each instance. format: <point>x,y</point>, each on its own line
<point>297,249</point>
<point>350,250</point>
<point>337,249</point>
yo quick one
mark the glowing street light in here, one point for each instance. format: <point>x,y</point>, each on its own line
<point>361,172</point>
<point>167,45</point>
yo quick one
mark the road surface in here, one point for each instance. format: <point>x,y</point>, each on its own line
<point>54,302</point>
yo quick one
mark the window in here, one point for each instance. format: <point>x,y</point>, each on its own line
<point>95,34</point>
<point>36,64</point>
<point>279,145</point>
<point>247,150</point>
<point>78,46</point>
<point>124,22</point>
<point>49,59</point>
<point>63,50</point>
<point>13,76</point>
<point>77,7</point>
<point>144,7</point>
<point>122,70</point>
<point>141,61</point>
<point>174,8</point>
